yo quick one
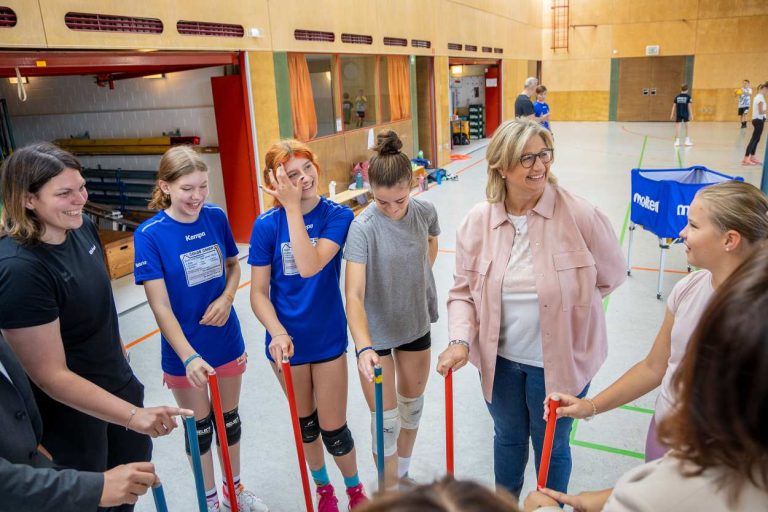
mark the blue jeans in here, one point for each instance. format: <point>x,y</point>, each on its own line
<point>517,410</point>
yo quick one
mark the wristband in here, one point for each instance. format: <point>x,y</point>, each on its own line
<point>459,342</point>
<point>190,359</point>
<point>357,353</point>
<point>229,296</point>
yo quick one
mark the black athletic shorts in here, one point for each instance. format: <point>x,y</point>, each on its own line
<point>423,343</point>
<point>682,119</point>
<point>742,110</point>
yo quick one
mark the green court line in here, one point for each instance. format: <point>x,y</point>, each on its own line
<point>679,160</point>
<point>601,447</point>
<point>637,409</point>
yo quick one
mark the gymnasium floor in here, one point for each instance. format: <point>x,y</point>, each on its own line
<point>591,159</point>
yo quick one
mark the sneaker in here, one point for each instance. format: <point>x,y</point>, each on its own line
<point>746,161</point>
<point>406,483</point>
<point>677,142</point>
<point>326,499</point>
<point>356,496</point>
<point>246,501</point>
<point>688,142</point>
<point>214,508</point>
<point>755,161</point>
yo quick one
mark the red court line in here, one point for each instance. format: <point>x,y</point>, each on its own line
<point>150,334</point>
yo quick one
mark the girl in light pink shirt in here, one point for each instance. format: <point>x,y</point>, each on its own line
<point>727,222</point>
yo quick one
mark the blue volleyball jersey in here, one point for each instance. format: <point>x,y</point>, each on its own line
<point>310,309</point>
<point>191,259</point>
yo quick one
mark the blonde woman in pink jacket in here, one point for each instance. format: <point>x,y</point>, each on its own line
<point>533,264</point>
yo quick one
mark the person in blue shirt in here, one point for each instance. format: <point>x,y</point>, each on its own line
<point>295,259</point>
<point>541,107</point>
<point>186,258</point>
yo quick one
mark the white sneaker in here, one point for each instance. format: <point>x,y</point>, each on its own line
<point>677,142</point>
<point>214,508</point>
<point>246,501</point>
<point>688,142</point>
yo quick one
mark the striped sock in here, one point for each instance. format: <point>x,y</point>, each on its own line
<point>236,481</point>
<point>211,497</point>
<point>352,481</point>
<point>320,476</point>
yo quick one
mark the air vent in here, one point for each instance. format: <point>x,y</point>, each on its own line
<point>421,43</point>
<point>487,49</point>
<point>7,17</point>
<point>356,39</point>
<point>454,46</point>
<point>470,48</point>
<point>108,23</point>
<point>395,41</point>
<point>314,35</point>
<point>203,28</point>
<point>498,50</point>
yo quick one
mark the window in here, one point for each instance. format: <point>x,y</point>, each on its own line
<point>323,92</point>
<point>358,85</point>
<point>394,73</point>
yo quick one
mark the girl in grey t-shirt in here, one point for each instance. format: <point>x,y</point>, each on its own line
<point>391,299</point>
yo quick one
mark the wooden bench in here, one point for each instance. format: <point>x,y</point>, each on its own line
<point>351,195</point>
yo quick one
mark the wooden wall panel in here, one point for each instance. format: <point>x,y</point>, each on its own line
<point>727,71</point>
<point>726,8</point>
<point>577,74</point>
<point>513,75</point>
<point>265,114</point>
<point>28,32</point>
<point>578,106</point>
<point>442,124</point>
<point>732,35</point>
<point>251,14</point>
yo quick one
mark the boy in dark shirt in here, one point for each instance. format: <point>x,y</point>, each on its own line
<point>683,114</point>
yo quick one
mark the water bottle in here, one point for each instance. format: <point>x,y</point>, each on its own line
<point>421,154</point>
<point>439,177</point>
<point>332,189</point>
<point>359,180</point>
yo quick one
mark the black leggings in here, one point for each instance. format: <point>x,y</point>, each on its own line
<point>757,131</point>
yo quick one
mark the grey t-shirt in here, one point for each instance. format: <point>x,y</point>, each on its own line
<point>400,295</point>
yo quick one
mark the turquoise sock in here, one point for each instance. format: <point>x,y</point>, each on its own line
<point>320,476</point>
<point>351,481</point>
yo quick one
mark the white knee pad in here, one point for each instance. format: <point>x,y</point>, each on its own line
<point>391,431</point>
<point>410,411</point>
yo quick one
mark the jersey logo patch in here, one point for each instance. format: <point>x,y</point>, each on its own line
<point>289,262</point>
<point>196,236</point>
<point>93,248</point>
<point>202,265</point>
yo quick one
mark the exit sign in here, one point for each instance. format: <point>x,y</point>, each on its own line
<point>652,50</point>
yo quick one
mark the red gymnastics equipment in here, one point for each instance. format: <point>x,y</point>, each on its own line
<point>297,432</point>
<point>549,436</point>
<point>221,433</point>
<point>449,421</point>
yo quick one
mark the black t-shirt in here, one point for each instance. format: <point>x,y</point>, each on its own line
<point>523,106</point>
<point>41,283</point>
<point>681,103</point>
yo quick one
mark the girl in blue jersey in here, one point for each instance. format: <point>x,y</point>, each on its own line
<point>186,258</point>
<point>296,265</point>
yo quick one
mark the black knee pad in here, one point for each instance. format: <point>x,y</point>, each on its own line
<point>204,429</point>
<point>338,442</point>
<point>310,427</point>
<point>232,427</point>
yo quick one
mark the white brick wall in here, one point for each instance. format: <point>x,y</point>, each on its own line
<point>61,107</point>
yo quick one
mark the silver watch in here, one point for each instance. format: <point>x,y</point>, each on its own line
<point>459,342</point>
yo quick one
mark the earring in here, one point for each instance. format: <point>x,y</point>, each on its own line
<point>727,249</point>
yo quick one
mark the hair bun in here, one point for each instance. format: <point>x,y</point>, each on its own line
<point>388,143</point>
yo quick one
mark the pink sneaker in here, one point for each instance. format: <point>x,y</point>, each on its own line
<point>356,496</point>
<point>755,161</point>
<point>326,499</point>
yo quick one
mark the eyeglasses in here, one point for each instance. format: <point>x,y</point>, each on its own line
<point>528,159</point>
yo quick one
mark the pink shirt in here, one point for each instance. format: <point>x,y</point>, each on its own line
<point>577,261</point>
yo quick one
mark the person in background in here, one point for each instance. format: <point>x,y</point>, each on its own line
<point>390,251</point>
<point>540,106</point>
<point>727,223</point>
<point>745,98</point>
<point>186,258</point>
<point>718,459</point>
<point>445,495</point>
<point>758,121</point>
<point>346,109</point>
<point>533,264</point>
<point>682,114</point>
<point>523,104</point>
<point>58,315</point>
<point>295,259</point>
<point>29,480</point>
<point>361,103</point>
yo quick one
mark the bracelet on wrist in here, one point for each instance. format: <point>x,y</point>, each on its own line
<point>133,413</point>
<point>190,359</point>
<point>282,334</point>
<point>459,342</point>
<point>358,352</point>
<point>229,296</point>
<point>594,409</point>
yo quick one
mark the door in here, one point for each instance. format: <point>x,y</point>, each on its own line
<point>425,104</point>
<point>492,99</point>
<point>648,86</point>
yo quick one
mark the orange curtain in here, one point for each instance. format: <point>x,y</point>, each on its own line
<point>398,81</point>
<point>302,101</point>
